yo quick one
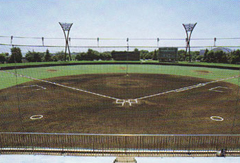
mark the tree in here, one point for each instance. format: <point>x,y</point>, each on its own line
<point>234,57</point>
<point>150,55</point>
<point>216,57</point>
<point>16,55</point>
<point>220,57</point>
<point>136,50</point>
<point>181,55</point>
<point>199,58</point>
<point>144,54</point>
<point>210,56</point>
<point>29,56</point>
<point>195,55</point>
<point>2,58</point>
<point>92,55</point>
<point>105,56</point>
<point>205,57</point>
<point>59,56</point>
<point>33,56</point>
<point>80,56</point>
<point>47,56</point>
<point>155,56</point>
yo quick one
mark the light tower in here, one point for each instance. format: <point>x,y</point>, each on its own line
<point>188,28</point>
<point>66,28</point>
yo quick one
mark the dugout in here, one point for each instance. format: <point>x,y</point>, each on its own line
<point>126,56</point>
<point>168,54</point>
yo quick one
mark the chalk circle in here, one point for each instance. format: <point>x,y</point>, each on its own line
<point>216,118</point>
<point>35,117</point>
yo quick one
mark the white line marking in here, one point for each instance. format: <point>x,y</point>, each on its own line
<point>187,88</point>
<point>120,101</point>
<point>129,101</point>
<point>215,89</point>
<point>140,98</point>
<point>216,118</point>
<point>39,87</point>
<point>60,85</point>
<point>35,117</point>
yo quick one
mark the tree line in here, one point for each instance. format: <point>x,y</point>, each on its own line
<point>211,56</point>
<point>32,56</point>
<point>90,55</point>
<point>221,57</point>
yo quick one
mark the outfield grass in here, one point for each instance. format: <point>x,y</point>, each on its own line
<point>210,64</point>
<point>8,80</point>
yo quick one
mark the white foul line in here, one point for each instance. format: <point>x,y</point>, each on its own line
<point>187,88</point>
<point>122,101</point>
<point>60,85</point>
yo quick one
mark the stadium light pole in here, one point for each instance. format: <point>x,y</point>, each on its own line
<point>66,28</point>
<point>188,28</point>
<point>127,56</point>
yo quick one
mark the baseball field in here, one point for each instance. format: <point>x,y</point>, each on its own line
<point>120,99</point>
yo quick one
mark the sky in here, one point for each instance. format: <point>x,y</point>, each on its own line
<point>121,19</point>
<point>118,19</point>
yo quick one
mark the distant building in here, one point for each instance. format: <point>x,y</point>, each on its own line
<point>224,49</point>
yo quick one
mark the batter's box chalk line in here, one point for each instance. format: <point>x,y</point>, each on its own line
<point>35,87</point>
<point>218,89</point>
<point>128,101</point>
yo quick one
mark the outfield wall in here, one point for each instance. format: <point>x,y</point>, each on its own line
<point>122,63</point>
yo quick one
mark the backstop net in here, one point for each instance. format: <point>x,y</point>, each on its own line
<point>116,99</point>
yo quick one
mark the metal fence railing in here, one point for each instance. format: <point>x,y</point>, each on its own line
<point>117,144</point>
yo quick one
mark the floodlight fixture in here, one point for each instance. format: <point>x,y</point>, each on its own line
<point>66,29</point>
<point>66,26</point>
<point>188,28</point>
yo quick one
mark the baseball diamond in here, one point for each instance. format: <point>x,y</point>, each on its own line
<point>116,103</point>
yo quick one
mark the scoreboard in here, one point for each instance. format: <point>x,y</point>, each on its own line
<point>168,54</point>
<point>126,56</point>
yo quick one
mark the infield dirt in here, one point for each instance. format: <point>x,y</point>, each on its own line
<point>68,110</point>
